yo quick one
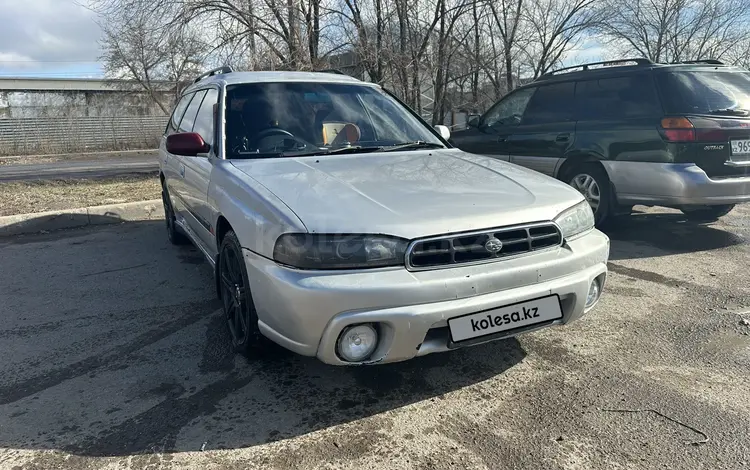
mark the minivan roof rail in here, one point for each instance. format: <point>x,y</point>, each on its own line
<point>584,67</point>
<point>701,61</point>
<point>212,72</point>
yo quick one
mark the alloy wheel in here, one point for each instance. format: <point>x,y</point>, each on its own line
<point>586,185</point>
<point>234,295</point>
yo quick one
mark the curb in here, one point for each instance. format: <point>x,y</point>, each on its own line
<point>81,217</point>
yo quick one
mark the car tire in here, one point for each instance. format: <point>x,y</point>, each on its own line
<point>707,213</point>
<point>173,233</point>
<point>237,301</point>
<point>592,181</point>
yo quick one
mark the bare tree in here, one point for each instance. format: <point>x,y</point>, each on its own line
<point>555,27</point>
<point>507,15</point>
<point>137,49</point>
<point>675,30</point>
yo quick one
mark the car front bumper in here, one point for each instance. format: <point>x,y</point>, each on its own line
<point>305,311</point>
<point>673,185</point>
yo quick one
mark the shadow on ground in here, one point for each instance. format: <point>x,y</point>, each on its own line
<point>661,234</point>
<point>133,357</point>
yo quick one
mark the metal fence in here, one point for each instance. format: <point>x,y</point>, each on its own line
<point>42,135</point>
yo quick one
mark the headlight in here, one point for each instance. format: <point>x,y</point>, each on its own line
<point>335,251</point>
<point>576,220</point>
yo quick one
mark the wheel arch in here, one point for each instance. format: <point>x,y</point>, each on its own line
<point>573,161</point>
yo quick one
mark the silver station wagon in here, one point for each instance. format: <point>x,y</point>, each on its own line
<point>340,225</point>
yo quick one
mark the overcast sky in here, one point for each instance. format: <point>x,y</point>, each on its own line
<point>48,37</point>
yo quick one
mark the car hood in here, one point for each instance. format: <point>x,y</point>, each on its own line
<point>410,194</point>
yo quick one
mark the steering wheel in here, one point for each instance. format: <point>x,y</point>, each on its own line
<point>276,131</point>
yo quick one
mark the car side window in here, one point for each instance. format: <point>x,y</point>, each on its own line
<point>179,110</point>
<point>204,121</point>
<point>188,120</point>
<point>509,110</point>
<point>616,98</point>
<point>550,103</point>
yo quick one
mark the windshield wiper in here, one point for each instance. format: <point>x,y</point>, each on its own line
<point>730,111</point>
<point>417,144</point>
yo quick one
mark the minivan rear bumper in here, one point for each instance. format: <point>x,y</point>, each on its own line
<point>674,184</point>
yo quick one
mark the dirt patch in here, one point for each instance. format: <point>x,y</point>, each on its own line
<point>24,197</point>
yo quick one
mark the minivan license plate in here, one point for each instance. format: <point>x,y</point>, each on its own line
<point>509,317</point>
<point>741,147</point>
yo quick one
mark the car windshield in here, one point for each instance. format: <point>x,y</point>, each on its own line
<point>293,119</point>
<point>705,92</point>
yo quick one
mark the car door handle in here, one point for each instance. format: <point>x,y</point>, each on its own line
<point>502,138</point>
<point>182,170</point>
<point>562,138</point>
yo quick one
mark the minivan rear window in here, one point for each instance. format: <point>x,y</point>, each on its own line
<point>704,92</point>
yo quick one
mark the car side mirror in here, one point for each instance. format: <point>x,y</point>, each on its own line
<point>473,120</point>
<point>444,132</point>
<point>188,144</point>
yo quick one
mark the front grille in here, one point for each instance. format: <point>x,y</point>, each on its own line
<point>472,247</point>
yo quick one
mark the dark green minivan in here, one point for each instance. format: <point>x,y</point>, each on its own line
<point>629,132</point>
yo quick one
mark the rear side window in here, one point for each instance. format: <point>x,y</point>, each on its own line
<point>186,125</point>
<point>550,103</point>
<point>617,98</point>
<point>704,92</point>
<point>179,110</point>
<point>204,121</point>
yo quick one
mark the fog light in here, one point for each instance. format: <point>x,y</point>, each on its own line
<point>594,292</point>
<point>356,343</point>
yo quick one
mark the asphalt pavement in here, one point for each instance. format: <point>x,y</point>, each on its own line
<point>115,356</point>
<point>99,166</point>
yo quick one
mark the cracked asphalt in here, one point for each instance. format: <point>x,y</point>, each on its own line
<point>115,356</point>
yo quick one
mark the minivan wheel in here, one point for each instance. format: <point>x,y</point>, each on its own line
<point>173,233</point>
<point>239,309</point>
<point>592,182</point>
<point>707,213</point>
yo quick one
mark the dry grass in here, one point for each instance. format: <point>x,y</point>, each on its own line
<point>21,197</point>
<point>74,157</point>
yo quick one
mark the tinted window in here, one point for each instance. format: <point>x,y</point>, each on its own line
<point>550,103</point>
<point>509,110</point>
<point>186,125</point>
<point>204,121</point>
<point>179,110</point>
<point>268,119</point>
<point>617,98</point>
<point>704,92</point>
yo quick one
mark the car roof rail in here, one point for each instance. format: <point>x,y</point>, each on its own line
<point>701,61</point>
<point>585,67</point>
<point>212,72</point>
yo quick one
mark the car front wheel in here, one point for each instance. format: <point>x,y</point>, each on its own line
<point>173,233</point>
<point>707,213</point>
<point>239,309</point>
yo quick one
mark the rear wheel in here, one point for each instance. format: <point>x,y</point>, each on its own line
<point>592,182</point>
<point>234,289</point>
<point>707,213</point>
<point>173,233</point>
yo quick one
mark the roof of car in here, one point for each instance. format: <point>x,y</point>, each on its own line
<point>234,78</point>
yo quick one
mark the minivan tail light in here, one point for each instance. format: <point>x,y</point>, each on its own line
<point>678,129</point>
